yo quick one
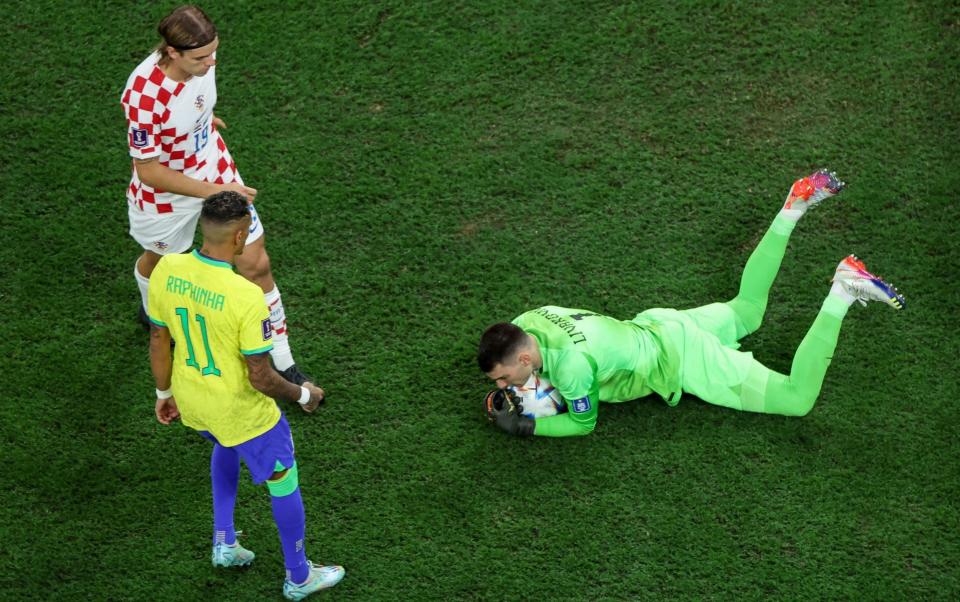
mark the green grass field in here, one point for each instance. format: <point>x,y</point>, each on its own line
<point>428,168</point>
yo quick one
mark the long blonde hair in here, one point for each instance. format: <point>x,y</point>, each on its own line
<point>186,28</point>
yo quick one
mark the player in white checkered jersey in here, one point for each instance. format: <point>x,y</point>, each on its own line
<point>179,158</point>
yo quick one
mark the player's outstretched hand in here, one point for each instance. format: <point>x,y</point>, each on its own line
<point>316,398</point>
<point>219,123</point>
<point>502,408</point>
<point>246,191</point>
<point>166,410</point>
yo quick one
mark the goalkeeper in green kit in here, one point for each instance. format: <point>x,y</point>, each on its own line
<point>591,358</point>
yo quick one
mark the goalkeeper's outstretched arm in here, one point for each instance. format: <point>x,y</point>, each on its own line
<point>571,424</point>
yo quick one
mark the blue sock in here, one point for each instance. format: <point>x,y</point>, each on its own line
<point>291,523</point>
<point>224,476</point>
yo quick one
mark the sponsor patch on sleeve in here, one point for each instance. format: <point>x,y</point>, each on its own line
<point>579,406</point>
<point>138,137</point>
<point>267,331</point>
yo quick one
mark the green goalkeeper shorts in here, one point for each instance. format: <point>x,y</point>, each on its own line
<point>710,365</point>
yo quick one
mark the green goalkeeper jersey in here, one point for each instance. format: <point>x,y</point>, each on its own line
<point>590,357</point>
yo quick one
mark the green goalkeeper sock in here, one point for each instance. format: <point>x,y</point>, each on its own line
<point>758,275</point>
<point>773,393</point>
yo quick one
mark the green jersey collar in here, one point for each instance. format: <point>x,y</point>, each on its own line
<point>211,261</point>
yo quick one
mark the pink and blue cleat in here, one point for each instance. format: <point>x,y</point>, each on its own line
<point>809,191</point>
<point>853,276</point>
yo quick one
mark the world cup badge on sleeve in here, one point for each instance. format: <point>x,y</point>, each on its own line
<point>139,137</point>
<point>581,405</point>
<point>267,330</point>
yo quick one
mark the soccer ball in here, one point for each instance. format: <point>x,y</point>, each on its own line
<point>538,397</point>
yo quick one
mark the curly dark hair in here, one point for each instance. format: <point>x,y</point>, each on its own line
<point>224,207</point>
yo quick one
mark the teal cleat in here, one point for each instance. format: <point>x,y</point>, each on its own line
<point>321,577</point>
<point>235,555</point>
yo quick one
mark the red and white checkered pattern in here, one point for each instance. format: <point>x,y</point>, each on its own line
<point>173,121</point>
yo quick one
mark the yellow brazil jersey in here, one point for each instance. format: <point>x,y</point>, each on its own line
<point>216,317</point>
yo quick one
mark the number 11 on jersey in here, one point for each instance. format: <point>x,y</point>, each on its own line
<point>211,367</point>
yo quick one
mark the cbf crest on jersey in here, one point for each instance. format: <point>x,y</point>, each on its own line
<point>138,137</point>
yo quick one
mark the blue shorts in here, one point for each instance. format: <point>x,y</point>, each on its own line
<point>266,453</point>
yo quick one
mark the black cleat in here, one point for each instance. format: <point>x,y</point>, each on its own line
<point>294,375</point>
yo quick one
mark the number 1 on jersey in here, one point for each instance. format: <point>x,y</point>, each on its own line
<point>211,367</point>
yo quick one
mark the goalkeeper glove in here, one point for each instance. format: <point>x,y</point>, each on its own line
<point>503,409</point>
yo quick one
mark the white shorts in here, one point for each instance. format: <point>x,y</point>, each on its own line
<point>165,233</point>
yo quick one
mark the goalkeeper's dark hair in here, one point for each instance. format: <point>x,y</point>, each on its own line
<point>499,342</point>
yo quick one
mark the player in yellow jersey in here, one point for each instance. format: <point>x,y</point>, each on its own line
<point>219,381</point>
<point>179,157</point>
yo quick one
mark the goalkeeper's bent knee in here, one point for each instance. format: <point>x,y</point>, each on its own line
<point>286,484</point>
<point>773,393</point>
<point>747,314</point>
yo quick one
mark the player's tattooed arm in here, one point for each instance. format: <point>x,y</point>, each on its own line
<point>269,382</point>
<point>161,362</point>
<point>266,380</point>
